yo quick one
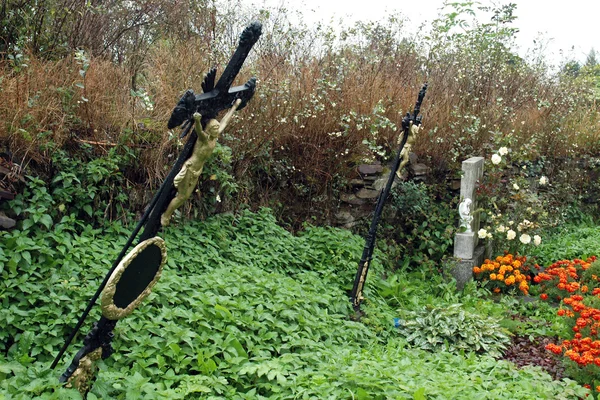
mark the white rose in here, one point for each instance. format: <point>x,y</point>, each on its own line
<point>543,180</point>
<point>503,151</point>
<point>537,240</point>
<point>496,159</point>
<point>510,235</point>
<point>501,229</point>
<point>482,233</point>
<point>516,187</point>
<point>525,238</point>
<point>489,235</point>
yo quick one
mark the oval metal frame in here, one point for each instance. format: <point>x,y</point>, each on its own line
<point>109,309</point>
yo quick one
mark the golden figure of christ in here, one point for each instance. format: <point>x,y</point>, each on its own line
<point>186,180</point>
<point>410,141</point>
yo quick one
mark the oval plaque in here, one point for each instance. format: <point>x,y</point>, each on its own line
<point>132,281</point>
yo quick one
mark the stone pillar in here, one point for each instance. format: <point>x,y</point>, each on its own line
<point>466,244</point>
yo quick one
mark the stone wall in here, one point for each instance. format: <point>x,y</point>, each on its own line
<point>359,202</point>
<point>11,181</point>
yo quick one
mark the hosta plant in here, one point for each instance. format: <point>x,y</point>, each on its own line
<point>454,330</point>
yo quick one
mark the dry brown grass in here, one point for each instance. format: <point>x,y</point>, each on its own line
<point>285,143</point>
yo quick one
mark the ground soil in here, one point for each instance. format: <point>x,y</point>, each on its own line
<point>523,351</point>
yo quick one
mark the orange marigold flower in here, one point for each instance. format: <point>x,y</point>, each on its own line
<point>544,296</point>
<point>554,348</point>
<point>561,312</point>
<point>493,277</point>
<point>477,270</point>
<point>496,290</point>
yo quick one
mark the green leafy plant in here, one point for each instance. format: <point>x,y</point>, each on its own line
<point>452,329</point>
<point>514,207</point>
<point>532,318</point>
<point>422,225</point>
<point>568,242</point>
<point>244,309</point>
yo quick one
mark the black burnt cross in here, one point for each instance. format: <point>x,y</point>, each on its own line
<point>220,96</point>
<point>367,255</point>
<point>133,274</point>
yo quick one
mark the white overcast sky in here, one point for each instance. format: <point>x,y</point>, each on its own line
<point>571,28</point>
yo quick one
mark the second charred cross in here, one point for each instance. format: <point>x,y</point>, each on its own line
<point>410,127</point>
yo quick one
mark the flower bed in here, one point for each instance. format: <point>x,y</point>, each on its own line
<point>505,274</point>
<point>576,284</point>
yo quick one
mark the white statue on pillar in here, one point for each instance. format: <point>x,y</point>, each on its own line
<point>466,216</point>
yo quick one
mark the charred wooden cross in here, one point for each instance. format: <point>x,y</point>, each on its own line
<point>132,277</point>
<point>409,123</point>
<point>220,96</point>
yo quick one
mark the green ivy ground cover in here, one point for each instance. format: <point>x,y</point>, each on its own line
<point>244,310</point>
<point>569,242</point>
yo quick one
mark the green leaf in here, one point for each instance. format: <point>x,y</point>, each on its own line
<point>27,223</point>
<point>419,394</point>
<point>11,367</point>
<point>46,220</point>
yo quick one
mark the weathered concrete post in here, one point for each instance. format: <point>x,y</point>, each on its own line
<point>466,244</point>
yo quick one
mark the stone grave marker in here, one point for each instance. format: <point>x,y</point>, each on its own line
<point>466,243</point>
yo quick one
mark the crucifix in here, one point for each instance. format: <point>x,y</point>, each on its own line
<point>410,127</point>
<point>132,276</point>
